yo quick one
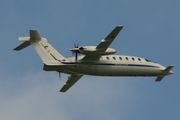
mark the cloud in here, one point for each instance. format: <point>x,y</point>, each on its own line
<point>35,96</point>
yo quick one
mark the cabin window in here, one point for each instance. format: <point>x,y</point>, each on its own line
<point>114,58</point>
<point>120,58</point>
<point>127,58</point>
<point>133,59</point>
<point>139,59</point>
<point>107,58</point>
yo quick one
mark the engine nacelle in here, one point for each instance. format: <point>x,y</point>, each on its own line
<point>88,50</point>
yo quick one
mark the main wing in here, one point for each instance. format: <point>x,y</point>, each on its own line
<point>70,82</point>
<point>105,43</point>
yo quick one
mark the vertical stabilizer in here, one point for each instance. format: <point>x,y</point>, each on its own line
<point>46,52</point>
<point>34,35</point>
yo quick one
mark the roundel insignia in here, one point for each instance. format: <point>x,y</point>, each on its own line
<point>63,60</point>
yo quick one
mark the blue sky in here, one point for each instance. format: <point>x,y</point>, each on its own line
<point>151,30</point>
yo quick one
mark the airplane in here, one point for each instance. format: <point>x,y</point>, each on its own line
<point>97,60</point>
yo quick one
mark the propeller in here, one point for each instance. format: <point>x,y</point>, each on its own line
<point>59,75</point>
<point>76,50</point>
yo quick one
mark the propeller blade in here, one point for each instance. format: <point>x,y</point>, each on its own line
<point>78,45</point>
<point>75,50</point>
<point>76,55</point>
<point>74,44</point>
<point>60,76</point>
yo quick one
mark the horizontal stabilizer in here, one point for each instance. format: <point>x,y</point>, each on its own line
<point>34,35</point>
<point>22,46</point>
<point>24,38</point>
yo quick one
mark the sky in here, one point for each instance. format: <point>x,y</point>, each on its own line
<point>151,30</point>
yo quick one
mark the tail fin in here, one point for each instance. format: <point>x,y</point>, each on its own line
<point>46,52</point>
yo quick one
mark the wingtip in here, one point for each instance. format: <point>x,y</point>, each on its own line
<point>33,30</point>
<point>61,91</point>
<point>121,26</point>
<point>15,49</point>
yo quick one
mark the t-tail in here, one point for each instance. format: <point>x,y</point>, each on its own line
<point>46,52</point>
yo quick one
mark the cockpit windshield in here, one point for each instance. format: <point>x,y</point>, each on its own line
<point>148,60</point>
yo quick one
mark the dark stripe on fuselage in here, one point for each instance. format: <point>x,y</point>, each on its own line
<point>105,64</point>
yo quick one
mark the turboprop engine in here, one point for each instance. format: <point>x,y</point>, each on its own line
<point>88,50</point>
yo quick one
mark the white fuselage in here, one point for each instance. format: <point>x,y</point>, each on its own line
<point>112,65</point>
<point>98,60</point>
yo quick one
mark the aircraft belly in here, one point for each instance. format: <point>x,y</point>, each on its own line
<point>144,71</point>
<point>82,69</point>
<point>105,70</point>
<point>123,71</point>
<point>109,71</point>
